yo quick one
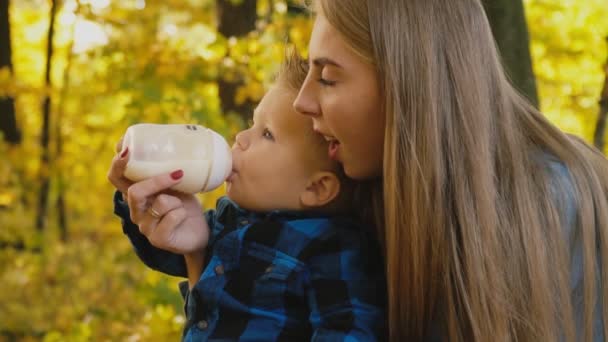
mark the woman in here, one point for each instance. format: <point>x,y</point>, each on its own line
<point>494,220</point>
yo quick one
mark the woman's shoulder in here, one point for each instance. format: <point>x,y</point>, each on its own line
<point>563,189</point>
<point>557,169</point>
<point>560,185</point>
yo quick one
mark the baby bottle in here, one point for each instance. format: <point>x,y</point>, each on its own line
<point>201,153</point>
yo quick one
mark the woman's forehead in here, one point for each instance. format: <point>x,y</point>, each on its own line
<point>328,47</point>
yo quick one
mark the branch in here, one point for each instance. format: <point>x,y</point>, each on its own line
<point>18,246</point>
<point>600,127</point>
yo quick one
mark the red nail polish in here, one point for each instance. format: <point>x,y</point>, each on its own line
<point>177,174</point>
<point>124,153</point>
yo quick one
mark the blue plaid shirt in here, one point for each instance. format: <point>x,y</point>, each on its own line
<point>278,276</point>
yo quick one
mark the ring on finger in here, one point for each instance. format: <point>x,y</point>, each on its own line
<point>154,213</point>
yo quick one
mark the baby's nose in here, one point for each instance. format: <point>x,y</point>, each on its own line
<point>241,140</point>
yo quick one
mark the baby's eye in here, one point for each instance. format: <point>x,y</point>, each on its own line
<point>267,134</point>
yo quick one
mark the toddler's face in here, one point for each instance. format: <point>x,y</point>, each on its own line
<point>274,158</point>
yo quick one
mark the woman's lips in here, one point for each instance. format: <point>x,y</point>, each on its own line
<point>334,145</point>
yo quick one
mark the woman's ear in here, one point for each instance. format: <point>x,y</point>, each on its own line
<point>322,188</point>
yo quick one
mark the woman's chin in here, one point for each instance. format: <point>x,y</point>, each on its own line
<point>361,172</point>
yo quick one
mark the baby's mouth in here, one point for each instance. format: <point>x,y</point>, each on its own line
<point>231,175</point>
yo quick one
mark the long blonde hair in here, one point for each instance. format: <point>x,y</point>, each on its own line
<point>475,235</point>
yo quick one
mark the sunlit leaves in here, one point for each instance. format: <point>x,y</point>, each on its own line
<point>115,63</point>
<point>569,49</point>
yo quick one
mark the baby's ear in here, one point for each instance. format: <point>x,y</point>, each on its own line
<point>322,188</point>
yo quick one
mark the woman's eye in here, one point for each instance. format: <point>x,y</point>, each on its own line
<point>267,134</point>
<point>325,82</point>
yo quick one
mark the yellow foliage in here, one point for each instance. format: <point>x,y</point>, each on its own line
<point>112,66</point>
<point>569,50</point>
<point>249,91</point>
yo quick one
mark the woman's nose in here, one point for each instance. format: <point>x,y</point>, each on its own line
<point>241,140</point>
<point>306,102</point>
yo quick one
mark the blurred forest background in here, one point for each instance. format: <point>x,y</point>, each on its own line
<point>74,74</point>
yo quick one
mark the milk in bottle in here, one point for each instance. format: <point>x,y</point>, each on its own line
<point>201,153</point>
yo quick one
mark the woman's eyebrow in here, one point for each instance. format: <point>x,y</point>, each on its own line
<point>323,61</point>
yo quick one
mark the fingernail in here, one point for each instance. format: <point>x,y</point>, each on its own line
<point>177,174</point>
<point>124,153</point>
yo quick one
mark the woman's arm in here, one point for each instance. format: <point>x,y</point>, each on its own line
<point>153,257</point>
<point>190,265</point>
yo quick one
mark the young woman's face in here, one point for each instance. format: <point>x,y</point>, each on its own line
<point>341,95</point>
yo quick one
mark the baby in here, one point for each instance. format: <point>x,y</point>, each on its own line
<point>284,260</point>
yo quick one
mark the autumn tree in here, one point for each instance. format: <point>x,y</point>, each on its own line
<point>510,30</point>
<point>8,122</point>
<point>44,175</point>
<point>235,19</point>
<point>600,128</point>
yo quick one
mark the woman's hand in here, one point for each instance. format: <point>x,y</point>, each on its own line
<point>116,174</point>
<point>171,220</point>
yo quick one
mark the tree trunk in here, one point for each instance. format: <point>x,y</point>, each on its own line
<point>600,127</point>
<point>235,20</point>
<point>508,21</point>
<point>62,184</point>
<point>44,177</point>
<point>8,121</point>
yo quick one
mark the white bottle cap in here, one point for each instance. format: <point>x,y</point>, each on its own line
<point>221,161</point>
